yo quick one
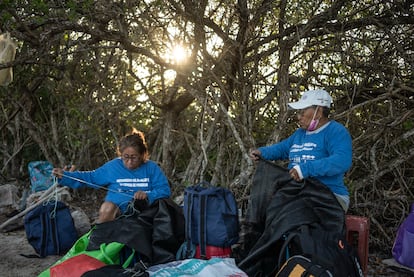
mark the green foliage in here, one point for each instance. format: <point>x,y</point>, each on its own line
<point>408,125</point>
<point>39,6</point>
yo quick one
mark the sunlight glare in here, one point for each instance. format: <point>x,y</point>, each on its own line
<point>179,54</point>
<point>170,75</point>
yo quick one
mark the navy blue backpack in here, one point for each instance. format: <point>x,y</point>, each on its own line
<point>50,229</point>
<point>211,217</point>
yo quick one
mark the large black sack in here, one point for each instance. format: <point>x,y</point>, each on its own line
<point>155,233</point>
<point>279,205</point>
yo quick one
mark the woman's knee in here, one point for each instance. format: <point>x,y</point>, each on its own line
<point>107,212</point>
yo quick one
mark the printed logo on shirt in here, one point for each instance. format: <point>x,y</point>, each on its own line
<point>308,157</point>
<point>296,157</point>
<point>133,182</point>
<point>309,146</point>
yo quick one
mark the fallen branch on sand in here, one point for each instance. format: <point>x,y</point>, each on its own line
<point>46,195</point>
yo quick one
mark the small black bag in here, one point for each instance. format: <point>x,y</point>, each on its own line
<point>327,250</point>
<point>298,266</point>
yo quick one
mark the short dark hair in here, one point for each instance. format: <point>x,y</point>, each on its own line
<point>135,140</point>
<point>325,111</point>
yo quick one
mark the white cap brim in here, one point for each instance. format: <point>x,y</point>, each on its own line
<point>299,105</point>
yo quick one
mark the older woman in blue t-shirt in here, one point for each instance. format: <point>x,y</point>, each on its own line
<point>320,148</point>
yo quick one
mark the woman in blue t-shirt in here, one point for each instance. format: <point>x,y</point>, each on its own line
<point>130,176</point>
<point>320,148</point>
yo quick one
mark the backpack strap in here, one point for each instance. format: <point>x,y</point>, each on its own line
<point>203,227</point>
<point>54,230</point>
<point>49,220</point>
<point>188,224</point>
<point>44,227</point>
<point>284,254</point>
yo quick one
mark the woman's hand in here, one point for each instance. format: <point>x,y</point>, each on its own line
<point>295,175</point>
<point>140,195</point>
<point>255,154</point>
<point>59,172</point>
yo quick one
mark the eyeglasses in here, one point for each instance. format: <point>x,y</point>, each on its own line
<point>128,157</point>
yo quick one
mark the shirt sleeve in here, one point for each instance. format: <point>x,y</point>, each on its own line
<point>277,151</point>
<point>77,179</point>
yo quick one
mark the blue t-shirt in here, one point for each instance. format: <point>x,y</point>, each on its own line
<point>325,154</point>
<point>122,182</point>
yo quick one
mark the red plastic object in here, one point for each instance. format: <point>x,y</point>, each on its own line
<point>214,252</point>
<point>357,233</point>
<point>75,266</point>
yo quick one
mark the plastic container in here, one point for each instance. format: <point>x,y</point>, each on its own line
<point>214,252</point>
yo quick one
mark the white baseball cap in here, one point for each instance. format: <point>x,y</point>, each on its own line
<point>318,97</point>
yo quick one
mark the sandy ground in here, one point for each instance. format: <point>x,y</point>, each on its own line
<point>14,243</point>
<point>13,264</point>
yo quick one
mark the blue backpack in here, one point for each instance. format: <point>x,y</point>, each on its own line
<point>211,217</point>
<point>50,229</point>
